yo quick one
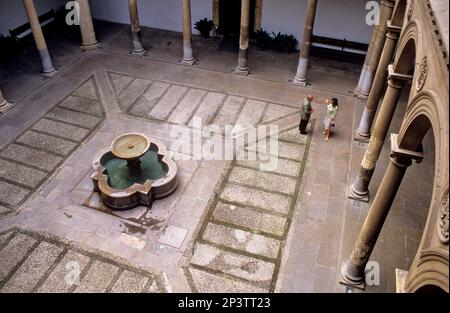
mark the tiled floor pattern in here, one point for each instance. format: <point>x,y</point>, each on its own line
<point>178,104</point>
<point>36,153</point>
<point>32,262</point>
<point>240,244</point>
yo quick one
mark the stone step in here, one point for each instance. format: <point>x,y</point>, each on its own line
<point>245,241</point>
<point>248,268</point>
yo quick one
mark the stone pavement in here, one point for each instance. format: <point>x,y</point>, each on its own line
<point>229,226</point>
<point>37,262</point>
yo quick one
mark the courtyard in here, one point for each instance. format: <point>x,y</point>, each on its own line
<point>229,227</point>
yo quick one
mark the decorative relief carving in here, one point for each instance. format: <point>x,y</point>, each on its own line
<point>423,73</point>
<point>410,10</point>
<point>443,219</point>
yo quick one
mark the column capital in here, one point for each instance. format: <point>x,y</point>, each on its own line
<point>396,80</point>
<point>404,157</point>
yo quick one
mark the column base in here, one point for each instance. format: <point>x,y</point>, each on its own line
<point>5,107</point>
<point>242,71</point>
<point>49,74</point>
<point>400,280</point>
<point>90,46</point>
<point>361,137</point>
<point>300,81</point>
<point>358,195</point>
<point>189,62</point>
<point>360,94</point>
<point>350,281</point>
<point>138,53</point>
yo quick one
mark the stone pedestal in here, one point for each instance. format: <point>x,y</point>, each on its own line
<point>4,105</point>
<point>300,77</point>
<point>48,70</point>
<point>89,41</point>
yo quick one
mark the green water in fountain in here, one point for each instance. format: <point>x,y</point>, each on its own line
<point>119,174</point>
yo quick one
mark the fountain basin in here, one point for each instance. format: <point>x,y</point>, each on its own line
<point>121,187</point>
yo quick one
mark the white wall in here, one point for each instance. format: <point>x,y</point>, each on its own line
<point>12,12</point>
<point>164,14</point>
<point>340,19</point>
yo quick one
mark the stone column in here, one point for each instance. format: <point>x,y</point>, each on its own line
<point>359,190</point>
<point>258,15</point>
<point>188,57</point>
<point>353,271</point>
<point>4,105</point>
<point>242,68</point>
<point>363,132</point>
<point>138,47</point>
<point>300,77</point>
<point>86,27</point>
<point>48,70</point>
<point>374,51</point>
<point>215,13</point>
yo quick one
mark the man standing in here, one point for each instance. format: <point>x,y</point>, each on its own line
<point>305,114</point>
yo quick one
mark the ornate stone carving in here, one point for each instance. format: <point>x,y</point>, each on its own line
<point>410,10</point>
<point>423,73</point>
<point>443,219</point>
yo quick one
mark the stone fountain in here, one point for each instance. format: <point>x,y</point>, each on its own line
<point>134,171</point>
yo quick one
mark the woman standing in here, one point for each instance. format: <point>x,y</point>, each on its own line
<point>330,118</point>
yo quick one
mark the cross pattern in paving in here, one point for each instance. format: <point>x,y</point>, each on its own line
<point>36,153</point>
<point>32,262</point>
<point>178,104</point>
<point>239,246</point>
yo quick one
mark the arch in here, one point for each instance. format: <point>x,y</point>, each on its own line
<point>407,48</point>
<point>427,110</point>
<point>398,16</point>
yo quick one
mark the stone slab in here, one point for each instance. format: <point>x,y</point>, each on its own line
<point>87,90</point>
<point>275,111</point>
<point>242,266</point>
<point>251,112</point>
<point>187,106</point>
<point>97,278</point>
<point>130,282</point>
<point>244,217</point>
<point>173,236</point>
<point>253,197</point>
<point>119,82</point>
<point>132,92</point>
<point>265,180</point>
<point>229,111</point>
<point>12,195</point>
<point>77,118</point>
<point>289,150</point>
<point>20,174</point>
<point>285,167</point>
<point>168,102</point>
<point>33,269</point>
<point>207,282</point>
<point>242,240</point>
<point>14,252</point>
<point>61,129</point>
<point>82,105</point>
<point>148,100</point>
<point>46,142</point>
<point>64,275</point>
<point>40,159</point>
<point>208,107</point>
